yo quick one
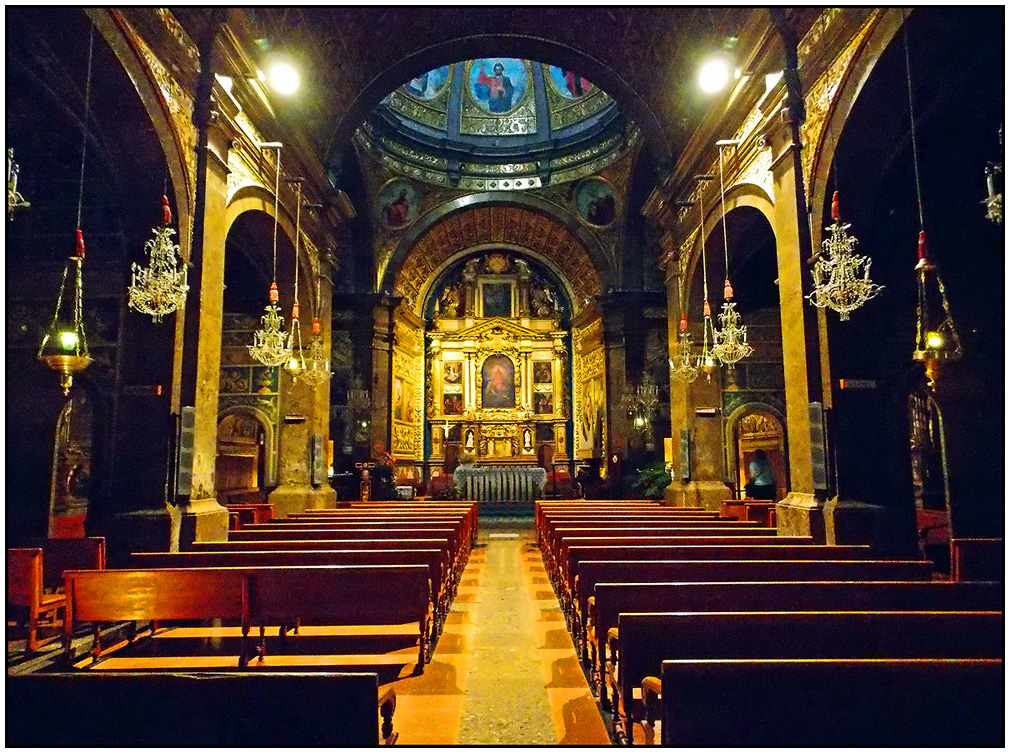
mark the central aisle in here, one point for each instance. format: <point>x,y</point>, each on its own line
<point>505,671</point>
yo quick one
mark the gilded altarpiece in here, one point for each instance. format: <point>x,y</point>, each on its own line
<point>407,440</point>
<point>497,365</point>
<point>590,391</point>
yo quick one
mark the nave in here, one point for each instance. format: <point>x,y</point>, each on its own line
<point>664,606</point>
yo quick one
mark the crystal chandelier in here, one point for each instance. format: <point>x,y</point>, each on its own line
<point>841,277</point>
<point>295,365</point>
<point>14,199</point>
<point>270,344</point>
<point>685,365</point>
<point>730,340</point>
<point>160,288</point>
<point>641,400</point>
<point>64,347</point>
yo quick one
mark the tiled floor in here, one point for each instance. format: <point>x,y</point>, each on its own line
<point>505,671</point>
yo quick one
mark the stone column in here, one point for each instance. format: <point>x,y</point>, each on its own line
<point>801,512</point>
<point>323,495</point>
<point>382,371</point>
<point>616,380</point>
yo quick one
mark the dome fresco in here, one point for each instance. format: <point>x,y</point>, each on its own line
<point>495,123</point>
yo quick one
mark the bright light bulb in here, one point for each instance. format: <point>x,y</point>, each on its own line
<point>68,340</point>
<point>714,75</point>
<point>934,340</point>
<point>283,78</point>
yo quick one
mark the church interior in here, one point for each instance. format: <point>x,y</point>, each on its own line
<point>536,376</point>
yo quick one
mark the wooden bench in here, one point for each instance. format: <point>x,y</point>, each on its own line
<point>207,709</point>
<point>811,702</point>
<point>249,513</point>
<point>592,572</point>
<point>60,555</point>
<point>333,594</point>
<point>647,639</point>
<point>434,559</point>
<point>978,559</point>
<point>25,592</point>
<point>615,598</point>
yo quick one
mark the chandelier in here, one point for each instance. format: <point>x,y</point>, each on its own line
<point>296,359</point>
<point>641,400</point>
<point>993,201</point>
<point>14,199</point>
<point>64,347</point>
<point>730,340</point>
<point>936,338</point>
<point>685,365</point>
<point>841,277</point>
<point>270,344</point>
<point>160,288</point>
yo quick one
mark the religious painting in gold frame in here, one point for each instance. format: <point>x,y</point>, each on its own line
<point>498,382</point>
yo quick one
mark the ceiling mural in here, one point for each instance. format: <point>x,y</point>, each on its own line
<point>475,125</point>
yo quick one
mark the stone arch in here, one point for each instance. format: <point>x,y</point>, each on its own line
<point>270,449</point>
<point>731,441</point>
<point>472,221</point>
<point>739,195</point>
<point>178,148</point>
<point>853,79</point>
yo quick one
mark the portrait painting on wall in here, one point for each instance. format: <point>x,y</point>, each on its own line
<point>235,379</point>
<point>590,409</point>
<point>499,383</point>
<point>264,379</point>
<point>398,398</point>
<point>453,373</point>
<point>541,372</point>
<point>397,204</point>
<point>568,83</point>
<point>543,403</point>
<point>428,85</point>
<point>498,84</point>
<point>452,404</point>
<point>497,299</point>
<point>596,202</point>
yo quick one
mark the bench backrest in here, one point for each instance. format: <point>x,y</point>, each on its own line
<point>613,598</point>
<point>59,555</point>
<point>285,544</point>
<point>337,534</point>
<point>647,639</point>
<point>592,572</point>
<point>978,559</point>
<point>120,595</point>
<point>207,709</point>
<point>433,559</point>
<point>866,703</point>
<point>24,577</point>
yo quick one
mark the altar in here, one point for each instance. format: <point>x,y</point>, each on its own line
<point>506,488</point>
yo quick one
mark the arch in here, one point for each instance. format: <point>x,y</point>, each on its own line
<point>116,32</point>
<point>254,197</point>
<point>853,80</point>
<point>430,285</point>
<point>529,223</point>
<point>739,195</point>
<point>734,451</point>
<point>452,50</point>
<point>269,438</point>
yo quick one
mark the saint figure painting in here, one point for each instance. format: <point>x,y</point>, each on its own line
<point>499,385</point>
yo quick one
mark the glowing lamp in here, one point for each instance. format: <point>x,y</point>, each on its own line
<point>714,74</point>
<point>283,78</point>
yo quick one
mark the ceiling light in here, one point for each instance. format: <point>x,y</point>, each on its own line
<point>714,74</point>
<point>283,78</point>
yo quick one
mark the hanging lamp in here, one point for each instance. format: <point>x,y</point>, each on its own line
<point>64,347</point>
<point>707,360</point>
<point>270,346</point>
<point>685,365</point>
<point>317,365</point>
<point>14,198</point>
<point>730,340</point>
<point>295,365</point>
<point>936,337</point>
<point>161,288</point>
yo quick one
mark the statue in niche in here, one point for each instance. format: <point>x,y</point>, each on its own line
<point>470,268</point>
<point>448,303</point>
<point>523,268</point>
<point>544,304</point>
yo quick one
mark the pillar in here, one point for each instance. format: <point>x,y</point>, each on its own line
<point>381,388</point>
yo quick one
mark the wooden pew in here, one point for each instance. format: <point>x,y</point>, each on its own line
<point>978,559</point>
<point>251,512</point>
<point>60,555</point>
<point>615,598</point>
<point>25,581</point>
<point>333,594</point>
<point>207,709</point>
<point>434,559</point>
<point>820,702</point>
<point>647,639</point>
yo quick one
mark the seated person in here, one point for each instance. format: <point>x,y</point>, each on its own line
<point>761,477</point>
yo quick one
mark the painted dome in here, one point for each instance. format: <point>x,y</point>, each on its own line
<point>497,123</point>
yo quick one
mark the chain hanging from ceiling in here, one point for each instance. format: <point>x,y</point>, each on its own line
<point>270,343</point>
<point>161,288</point>
<point>295,365</point>
<point>64,347</point>
<point>730,340</point>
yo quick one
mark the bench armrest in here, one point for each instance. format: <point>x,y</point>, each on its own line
<point>652,691</point>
